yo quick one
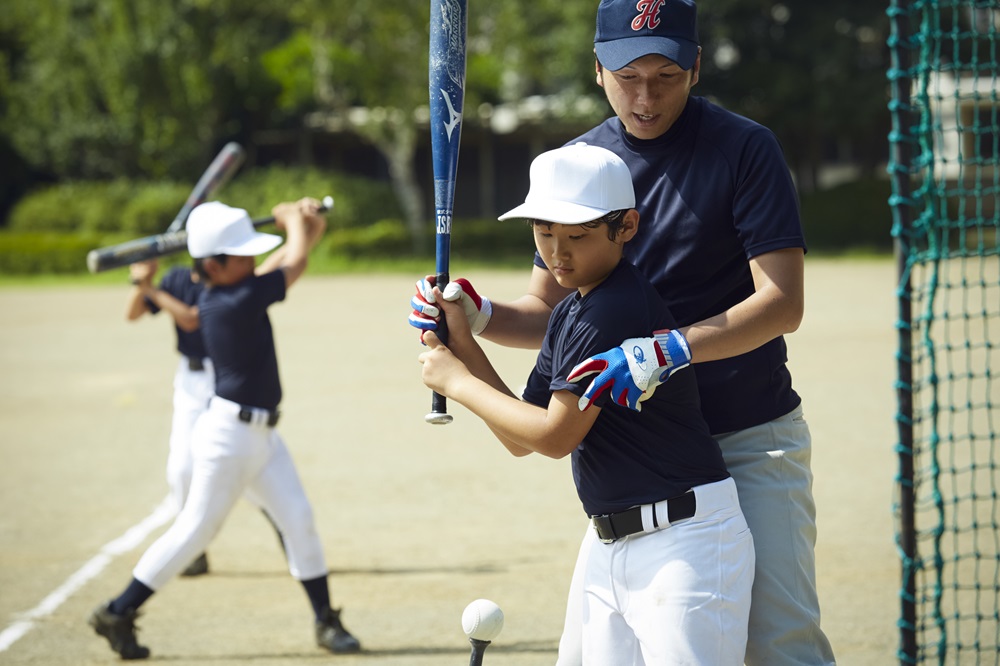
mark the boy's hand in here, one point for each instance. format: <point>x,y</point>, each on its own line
<point>315,220</point>
<point>425,315</point>
<point>143,271</point>
<point>439,366</point>
<point>459,331</point>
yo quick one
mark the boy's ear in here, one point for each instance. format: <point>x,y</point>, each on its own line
<point>630,225</point>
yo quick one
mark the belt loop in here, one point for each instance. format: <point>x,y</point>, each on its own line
<point>662,513</point>
<point>649,520</point>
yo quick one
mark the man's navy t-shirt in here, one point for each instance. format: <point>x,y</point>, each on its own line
<point>713,192</point>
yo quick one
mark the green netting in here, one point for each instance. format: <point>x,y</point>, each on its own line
<point>946,221</point>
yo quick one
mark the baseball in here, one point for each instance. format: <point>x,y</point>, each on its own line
<point>482,620</point>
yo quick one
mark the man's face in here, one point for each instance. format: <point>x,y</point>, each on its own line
<point>649,93</point>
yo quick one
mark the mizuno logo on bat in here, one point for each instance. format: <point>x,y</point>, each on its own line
<point>454,117</point>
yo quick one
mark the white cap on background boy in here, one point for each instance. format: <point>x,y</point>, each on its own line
<point>214,228</point>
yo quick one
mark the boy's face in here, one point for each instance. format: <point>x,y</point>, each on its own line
<point>235,269</point>
<point>581,257</point>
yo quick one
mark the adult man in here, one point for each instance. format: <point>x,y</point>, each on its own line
<point>723,244</point>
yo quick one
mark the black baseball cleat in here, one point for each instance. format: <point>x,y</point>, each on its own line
<point>198,567</point>
<point>119,630</point>
<point>332,635</point>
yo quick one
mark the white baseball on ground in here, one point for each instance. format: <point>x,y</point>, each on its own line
<point>482,620</point>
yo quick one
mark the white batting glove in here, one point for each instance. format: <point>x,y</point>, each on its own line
<point>633,370</point>
<point>478,309</point>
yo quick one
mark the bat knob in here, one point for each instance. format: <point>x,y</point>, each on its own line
<point>327,202</point>
<point>436,418</point>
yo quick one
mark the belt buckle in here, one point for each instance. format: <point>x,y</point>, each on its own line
<point>603,524</point>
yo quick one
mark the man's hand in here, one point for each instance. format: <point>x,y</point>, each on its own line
<point>425,316</point>
<point>634,369</point>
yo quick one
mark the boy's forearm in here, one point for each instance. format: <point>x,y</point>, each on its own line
<point>521,427</point>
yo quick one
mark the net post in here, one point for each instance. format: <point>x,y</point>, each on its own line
<point>902,210</point>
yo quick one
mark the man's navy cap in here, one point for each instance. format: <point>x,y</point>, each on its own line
<point>631,29</point>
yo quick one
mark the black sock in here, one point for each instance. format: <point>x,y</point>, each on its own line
<point>319,595</point>
<point>134,596</point>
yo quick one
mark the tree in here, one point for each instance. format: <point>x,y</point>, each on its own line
<point>113,87</point>
<point>812,72</point>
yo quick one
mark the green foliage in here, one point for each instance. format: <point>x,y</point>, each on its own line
<point>357,201</point>
<point>854,216</point>
<point>486,241</point>
<point>152,207</point>
<point>44,253</point>
<point>383,239</point>
<point>76,206</point>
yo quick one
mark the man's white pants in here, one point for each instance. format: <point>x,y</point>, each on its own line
<point>679,595</point>
<point>232,459</point>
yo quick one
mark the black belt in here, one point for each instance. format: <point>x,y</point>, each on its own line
<point>246,415</point>
<point>195,364</point>
<point>613,526</point>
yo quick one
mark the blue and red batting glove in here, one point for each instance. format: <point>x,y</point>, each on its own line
<point>425,316</point>
<point>633,370</point>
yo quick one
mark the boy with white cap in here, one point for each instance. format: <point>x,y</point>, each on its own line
<point>669,580</point>
<point>235,447</point>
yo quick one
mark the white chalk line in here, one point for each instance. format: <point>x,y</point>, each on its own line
<point>123,544</point>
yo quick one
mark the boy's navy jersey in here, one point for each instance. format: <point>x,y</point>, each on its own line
<point>237,333</point>
<point>178,283</point>
<point>713,192</point>
<point>628,457</point>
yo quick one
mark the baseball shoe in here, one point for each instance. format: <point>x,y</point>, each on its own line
<point>119,630</point>
<point>332,635</point>
<point>198,567</point>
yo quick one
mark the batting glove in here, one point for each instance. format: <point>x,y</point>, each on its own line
<point>424,315</point>
<point>634,369</point>
<point>478,309</point>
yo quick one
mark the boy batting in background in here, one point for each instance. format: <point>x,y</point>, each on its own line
<point>194,379</point>
<point>668,580</point>
<point>235,447</point>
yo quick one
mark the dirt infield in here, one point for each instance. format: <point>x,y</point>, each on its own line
<point>417,520</point>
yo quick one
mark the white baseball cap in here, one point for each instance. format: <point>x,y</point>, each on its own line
<point>215,228</point>
<point>576,184</point>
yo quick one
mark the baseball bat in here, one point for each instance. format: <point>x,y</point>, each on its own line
<point>446,85</point>
<point>218,173</point>
<point>151,247</point>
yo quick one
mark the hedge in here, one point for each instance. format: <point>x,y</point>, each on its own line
<point>51,230</point>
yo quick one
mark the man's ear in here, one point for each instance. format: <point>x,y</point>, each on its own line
<point>599,70</point>
<point>630,225</point>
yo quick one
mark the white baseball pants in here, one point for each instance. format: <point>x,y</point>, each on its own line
<point>679,595</point>
<point>233,459</point>
<point>192,391</point>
